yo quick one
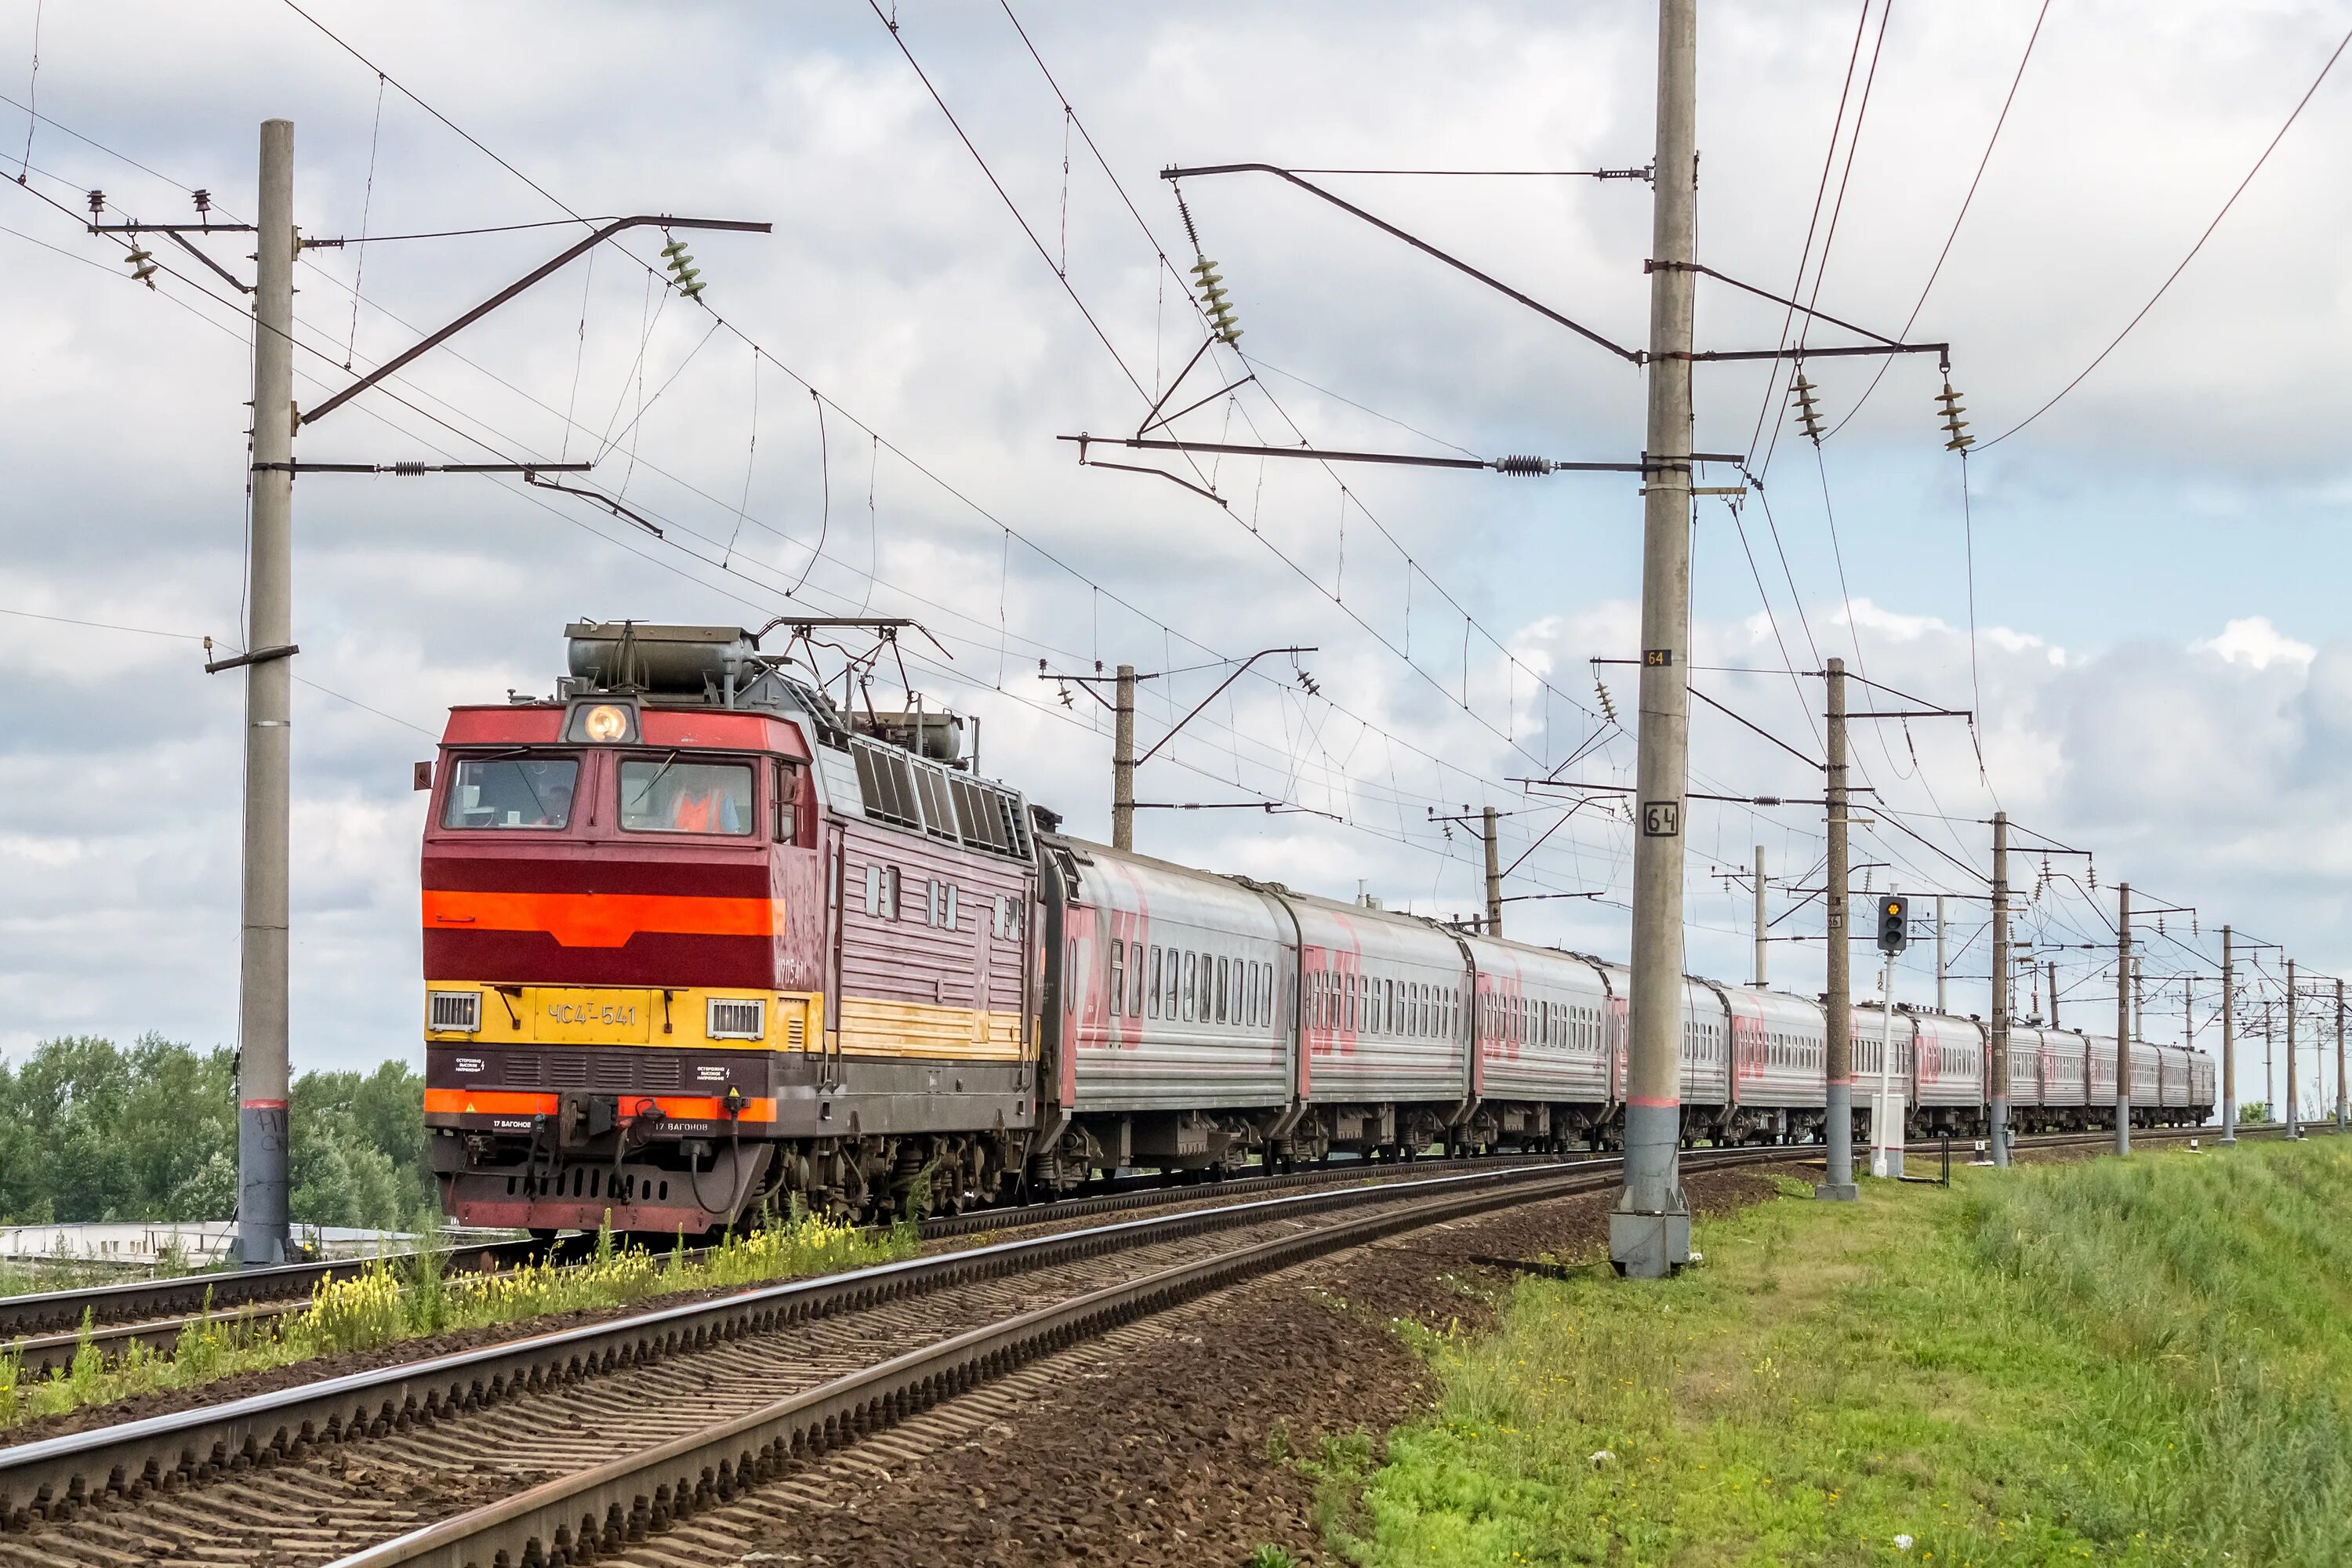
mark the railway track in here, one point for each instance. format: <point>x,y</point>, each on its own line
<point>466,1457</point>
<point>335,1465</point>
<point>47,1330</point>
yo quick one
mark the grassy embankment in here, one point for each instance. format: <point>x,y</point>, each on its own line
<point>393,1301</point>
<point>2141,1363</point>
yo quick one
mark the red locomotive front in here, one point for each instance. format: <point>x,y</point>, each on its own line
<point>647,1002</point>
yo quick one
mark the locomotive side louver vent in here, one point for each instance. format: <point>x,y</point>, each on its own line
<point>454,1011</point>
<point>736,1018</point>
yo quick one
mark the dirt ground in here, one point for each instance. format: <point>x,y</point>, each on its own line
<point>1170,1459</point>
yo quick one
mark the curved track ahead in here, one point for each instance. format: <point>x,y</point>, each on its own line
<point>702,1399</point>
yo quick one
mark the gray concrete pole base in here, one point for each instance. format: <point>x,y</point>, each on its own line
<point>1838,1193</point>
<point>1649,1245</point>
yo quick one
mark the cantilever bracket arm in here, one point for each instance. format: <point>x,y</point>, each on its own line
<point>1631,356</point>
<point>1239,670</point>
<point>433,339</point>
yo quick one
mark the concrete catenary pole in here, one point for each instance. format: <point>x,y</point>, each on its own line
<point>261,1005</point>
<point>1122,762</point>
<point>1942,1004</point>
<point>2340,1105</point>
<point>2123,1017</point>
<point>1494,873</point>
<point>2053,992</point>
<point>2139,997</point>
<point>1762,944</point>
<point>2229,1044</point>
<point>2293,1108</point>
<point>2270,1066</point>
<point>2000,984</point>
<point>1649,1233</point>
<point>1837,1126</point>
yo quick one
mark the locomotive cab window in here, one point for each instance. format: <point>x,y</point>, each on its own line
<point>512,791</point>
<point>791,785</point>
<point>665,795</point>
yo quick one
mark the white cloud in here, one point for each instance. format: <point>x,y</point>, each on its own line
<point>2253,641</point>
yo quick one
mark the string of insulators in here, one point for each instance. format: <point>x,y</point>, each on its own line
<point>1954,426</point>
<point>1809,412</point>
<point>1521,463</point>
<point>1205,276</point>
<point>1608,708</point>
<point>1212,299</point>
<point>142,266</point>
<point>683,275</point>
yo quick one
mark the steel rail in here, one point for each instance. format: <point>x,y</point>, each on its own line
<point>611,1506</point>
<point>55,1478</point>
<point>112,1334</point>
<point>627,1499</point>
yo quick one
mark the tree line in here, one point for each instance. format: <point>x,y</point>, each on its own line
<point>89,1130</point>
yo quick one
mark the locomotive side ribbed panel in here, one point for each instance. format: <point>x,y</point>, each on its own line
<point>1175,987</point>
<point>1543,1033</point>
<point>923,973</point>
<point>1365,1042</point>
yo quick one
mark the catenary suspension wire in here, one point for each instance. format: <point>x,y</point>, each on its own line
<point>1958,219</point>
<point>2174,275</point>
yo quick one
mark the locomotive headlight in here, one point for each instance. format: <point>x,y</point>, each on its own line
<point>605,723</point>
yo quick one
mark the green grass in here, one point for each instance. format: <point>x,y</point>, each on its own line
<point>389,1302</point>
<point>2143,1362</point>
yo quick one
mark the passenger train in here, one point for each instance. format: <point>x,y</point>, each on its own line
<point>699,944</point>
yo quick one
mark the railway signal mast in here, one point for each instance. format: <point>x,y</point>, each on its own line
<point>1886,1105</point>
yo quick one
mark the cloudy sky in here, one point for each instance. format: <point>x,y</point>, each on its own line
<point>2138,596</point>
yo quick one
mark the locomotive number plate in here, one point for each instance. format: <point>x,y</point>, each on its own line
<point>564,1013</point>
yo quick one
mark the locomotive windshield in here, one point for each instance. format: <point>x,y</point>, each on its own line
<point>512,791</point>
<point>666,795</point>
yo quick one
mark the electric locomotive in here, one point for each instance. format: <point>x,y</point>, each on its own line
<point>694,941</point>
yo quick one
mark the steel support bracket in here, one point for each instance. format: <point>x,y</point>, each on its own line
<point>258,656</point>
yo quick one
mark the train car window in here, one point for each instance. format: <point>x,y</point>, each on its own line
<point>663,794</point>
<point>1118,979</point>
<point>1152,996</point>
<point>1222,1014</point>
<point>1135,983</point>
<point>1191,982</point>
<point>512,791</point>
